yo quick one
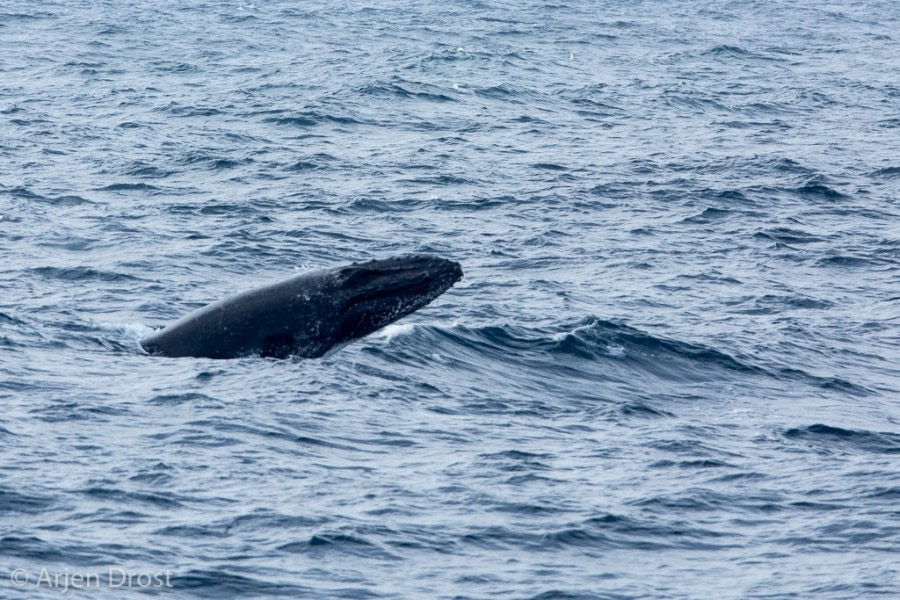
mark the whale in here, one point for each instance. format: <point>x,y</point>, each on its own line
<point>309,314</point>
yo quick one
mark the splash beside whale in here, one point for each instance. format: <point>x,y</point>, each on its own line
<point>309,314</point>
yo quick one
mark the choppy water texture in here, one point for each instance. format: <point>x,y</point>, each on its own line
<point>670,371</point>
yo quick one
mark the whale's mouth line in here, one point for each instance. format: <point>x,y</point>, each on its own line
<point>398,291</point>
<point>391,300</point>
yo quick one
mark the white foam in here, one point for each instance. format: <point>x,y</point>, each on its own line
<point>616,351</point>
<point>132,330</point>
<point>389,332</point>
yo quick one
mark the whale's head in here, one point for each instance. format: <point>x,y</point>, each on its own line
<point>374,293</point>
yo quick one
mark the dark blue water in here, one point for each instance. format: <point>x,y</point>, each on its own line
<point>671,369</point>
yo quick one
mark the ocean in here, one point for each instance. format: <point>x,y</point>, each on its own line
<point>670,370</point>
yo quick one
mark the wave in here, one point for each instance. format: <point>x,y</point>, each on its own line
<point>64,200</point>
<point>16,502</point>
<point>212,161</point>
<point>409,90</point>
<point>219,583</point>
<point>81,274</point>
<point>887,172</point>
<point>830,439</point>
<point>309,119</point>
<point>129,187</point>
<point>591,349</point>
<point>787,235</point>
<point>737,52</point>
<point>815,190</point>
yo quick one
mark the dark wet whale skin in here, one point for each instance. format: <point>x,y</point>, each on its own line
<point>309,314</point>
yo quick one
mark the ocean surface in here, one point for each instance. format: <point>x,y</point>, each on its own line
<point>672,369</point>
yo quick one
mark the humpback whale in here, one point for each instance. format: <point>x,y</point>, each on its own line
<point>309,314</point>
